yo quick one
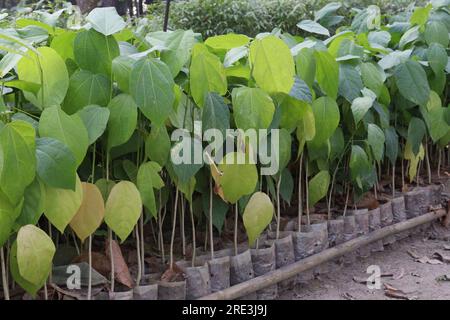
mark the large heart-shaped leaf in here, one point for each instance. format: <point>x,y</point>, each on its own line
<point>327,73</point>
<point>318,187</point>
<point>326,116</point>
<point>272,64</point>
<point>55,78</point>
<point>412,82</point>
<point>91,212</point>
<point>95,52</point>
<point>17,160</point>
<point>56,164</point>
<point>95,119</point>
<point>123,209</point>
<point>8,214</point>
<point>70,130</point>
<point>61,205</point>
<point>257,215</point>
<point>151,85</point>
<point>86,88</point>
<point>122,120</point>
<point>239,176</point>
<point>33,204</point>
<point>252,108</point>
<point>106,20</point>
<point>35,251</point>
<point>206,74</point>
<point>157,145</point>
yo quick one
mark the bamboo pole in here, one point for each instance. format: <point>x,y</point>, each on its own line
<point>291,270</point>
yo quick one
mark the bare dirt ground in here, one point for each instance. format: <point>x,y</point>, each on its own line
<point>416,279</point>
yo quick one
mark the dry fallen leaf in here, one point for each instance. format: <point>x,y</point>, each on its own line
<point>99,262</point>
<point>173,274</point>
<point>399,275</point>
<point>392,292</point>
<point>446,247</point>
<point>121,271</point>
<point>441,257</point>
<point>413,254</point>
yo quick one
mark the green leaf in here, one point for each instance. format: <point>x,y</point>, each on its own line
<point>95,119</point>
<point>306,129</point>
<point>123,209</point>
<point>122,120</point>
<point>95,52</point>
<point>252,108</point>
<point>35,251</point>
<point>29,287</point>
<point>56,164</point>
<point>327,73</point>
<point>70,130</point>
<point>61,205</point>
<point>350,84</point>
<point>239,176</point>
<point>157,145</point>
<point>33,204</point>
<point>86,88</point>
<point>372,77</point>
<point>216,114</point>
<point>318,187</point>
<point>391,144</point>
<point>284,149</point>
<point>257,215</point>
<point>148,179</point>
<point>313,27</point>
<point>375,137</point>
<point>219,210</point>
<point>226,42</point>
<point>8,214</point>
<point>206,74</point>
<point>326,116</point>
<point>360,106</point>
<point>106,20</point>
<point>416,132</point>
<point>412,82</point>
<point>420,15</point>
<point>91,212</point>
<point>272,64</point>
<point>359,165</point>
<point>121,69</point>
<point>437,57</point>
<point>306,65</point>
<point>151,86</point>
<point>63,44</point>
<point>179,45</point>
<point>17,160</point>
<point>105,187</point>
<point>436,32</point>
<point>55,78</point>
<point>186,158</point>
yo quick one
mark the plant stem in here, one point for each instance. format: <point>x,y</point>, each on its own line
<point>161,236</point>
<point>194,242</point>
<point>89,294</point>
<point>174,224</point>
<point>393,180</point>
<point>183,234</point>
<point>439,164</point>
<point>428,162</point>
<point>141,229</point>
<point>138,254</point>
<point>111,256</point>
<point>278,207</point>
<point>211,217</point>
<point>4,277</point>
<point>300,193</point>
<point>307,194</point>
<point>236,215</point>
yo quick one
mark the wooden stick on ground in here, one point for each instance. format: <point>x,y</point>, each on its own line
<point>291,270</point>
